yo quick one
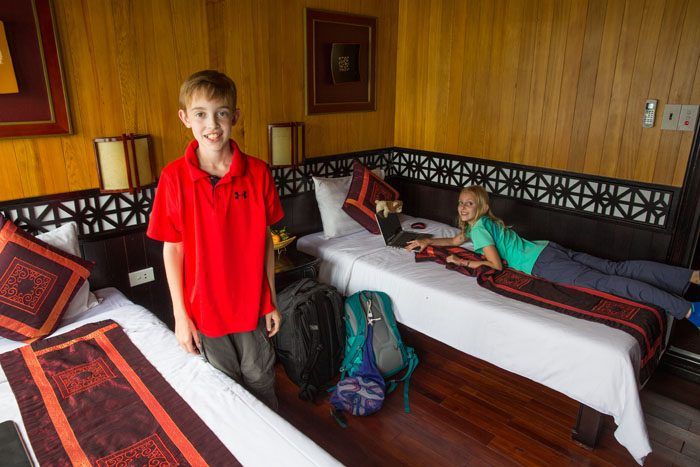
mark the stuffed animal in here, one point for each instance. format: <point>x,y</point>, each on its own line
<point>385,207</point>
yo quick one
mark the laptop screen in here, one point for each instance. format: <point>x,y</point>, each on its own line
<point>389,225</point>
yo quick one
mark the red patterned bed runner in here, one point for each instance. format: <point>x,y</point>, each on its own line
<point>646,323</point>
<point>90,397</point>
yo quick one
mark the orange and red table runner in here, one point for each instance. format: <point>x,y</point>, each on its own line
<point>90,397</point>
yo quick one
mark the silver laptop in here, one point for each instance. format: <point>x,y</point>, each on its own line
<point>394,235</point>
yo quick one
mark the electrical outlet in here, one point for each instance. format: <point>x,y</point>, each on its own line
<point>142,276</point>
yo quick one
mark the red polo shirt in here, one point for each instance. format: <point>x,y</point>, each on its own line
<point>223,232</point>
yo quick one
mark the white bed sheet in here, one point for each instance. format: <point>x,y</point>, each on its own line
<point>251,431</point>
<point>589,362</point>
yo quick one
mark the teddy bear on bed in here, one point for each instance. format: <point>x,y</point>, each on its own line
<point>386,207</point>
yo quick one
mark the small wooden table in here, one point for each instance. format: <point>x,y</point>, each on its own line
<point>292,265</point>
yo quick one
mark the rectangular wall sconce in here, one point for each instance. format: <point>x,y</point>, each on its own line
<point>124,163</point>
<point>287,144</point>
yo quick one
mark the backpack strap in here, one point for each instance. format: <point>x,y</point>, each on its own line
<point>351,354</point>
<point>406,378</point>
<point>308,392</point>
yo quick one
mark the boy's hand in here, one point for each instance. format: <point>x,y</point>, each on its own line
<point>273,320</point>
<point>187,335</point>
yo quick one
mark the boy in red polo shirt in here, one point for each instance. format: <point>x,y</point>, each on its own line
<point>212,210</point>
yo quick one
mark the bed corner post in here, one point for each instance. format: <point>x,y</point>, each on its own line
<point>587,429</point>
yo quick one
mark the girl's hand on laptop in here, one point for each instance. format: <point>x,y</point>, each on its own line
<point>420,244</point>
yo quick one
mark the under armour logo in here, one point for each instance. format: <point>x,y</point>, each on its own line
<point>237,195</point>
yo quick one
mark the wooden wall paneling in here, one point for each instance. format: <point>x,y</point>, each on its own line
<point>565,92</point>
<point>82,85</point>
<point>449,128</point>
<point>493,83</point>
<point>93,86</point>
<point>611,163</point>
<point>468,108</point>
<point>54,175</point>
<point>523,83</point>
<point>662,74</point>
<point>127,73</point>
<point>28,166</point>
<point>541,57</point>
<point>604,79</point>
<point>572,67</point>
<point>552,88</point>
<point>681,88</point>
<point>585,91</point>
<point>510,57</point>
<point>405,51</point>
<point>649,36</point>
<point>483,75</point>
<point>10,188</point>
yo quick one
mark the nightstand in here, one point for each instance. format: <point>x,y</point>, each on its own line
<point>292,265</point>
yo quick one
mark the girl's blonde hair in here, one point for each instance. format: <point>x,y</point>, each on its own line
<point>481,198</point>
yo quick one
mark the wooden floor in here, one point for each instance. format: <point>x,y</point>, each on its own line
<point>467,412</point>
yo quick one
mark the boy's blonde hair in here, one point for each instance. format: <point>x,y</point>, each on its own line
<point>214,84</point>
<point>481,198</point>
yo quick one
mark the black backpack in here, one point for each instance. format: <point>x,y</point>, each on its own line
<point>312,335</point>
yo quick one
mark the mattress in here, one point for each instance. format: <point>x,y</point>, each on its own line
<point>245,425</point>
<point>589,362</point>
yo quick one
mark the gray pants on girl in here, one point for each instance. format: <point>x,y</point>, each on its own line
<point>642,281</point>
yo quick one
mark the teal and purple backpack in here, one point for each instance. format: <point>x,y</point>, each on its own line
<point>390,354</point>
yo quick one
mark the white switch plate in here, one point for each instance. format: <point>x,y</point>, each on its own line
<point>672,113</point>
<point>142,276</point>
<point>689,115</point>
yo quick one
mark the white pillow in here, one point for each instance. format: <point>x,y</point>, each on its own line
<point>330,196</point>
<point>65,238</point>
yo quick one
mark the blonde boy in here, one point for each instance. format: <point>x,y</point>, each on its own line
<point>212,210</point>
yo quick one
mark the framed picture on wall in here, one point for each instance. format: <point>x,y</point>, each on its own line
<point>340,62</point>
<point>33,99</point>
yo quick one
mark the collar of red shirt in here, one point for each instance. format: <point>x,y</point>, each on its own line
<point>238,162</point>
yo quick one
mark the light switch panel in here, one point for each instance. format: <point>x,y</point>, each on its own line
<point>672,113</point>
<point>688,117</point>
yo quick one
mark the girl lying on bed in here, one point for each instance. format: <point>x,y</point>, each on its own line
<point>643,281</point>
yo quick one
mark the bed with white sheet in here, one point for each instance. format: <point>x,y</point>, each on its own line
<point>252,432</point>
<point>589,362</point>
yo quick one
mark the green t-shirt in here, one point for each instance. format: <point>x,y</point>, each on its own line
<point>519,253</point>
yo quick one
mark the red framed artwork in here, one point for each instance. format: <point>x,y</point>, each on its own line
<point>340,62</point>
<point>38,105</point>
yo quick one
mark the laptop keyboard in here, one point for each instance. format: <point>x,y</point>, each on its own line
<point>403,238</point>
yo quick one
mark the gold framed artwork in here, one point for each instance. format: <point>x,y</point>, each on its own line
<point>340,62</point>
<point>8,81</point>
<point>39,106</point>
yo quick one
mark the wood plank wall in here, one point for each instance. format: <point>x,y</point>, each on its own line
<point>549,83</point>
<point>125,59</point>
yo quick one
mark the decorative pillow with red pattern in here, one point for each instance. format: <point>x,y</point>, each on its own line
<point>37,283</point>
<point>365,190</point>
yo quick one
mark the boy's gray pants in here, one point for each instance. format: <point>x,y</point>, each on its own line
<point>246,357</point>
<point>642,281</point>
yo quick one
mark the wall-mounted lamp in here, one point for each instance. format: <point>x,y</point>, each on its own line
<point>124,163</point>
<point>287,143</point>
